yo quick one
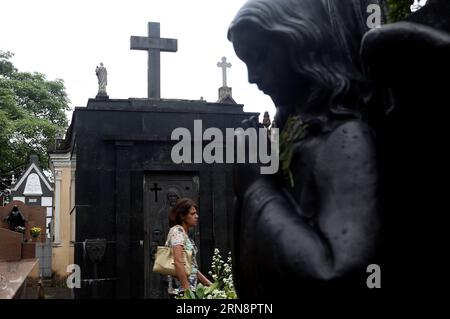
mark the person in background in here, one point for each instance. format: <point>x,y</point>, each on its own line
<point>182,218</point>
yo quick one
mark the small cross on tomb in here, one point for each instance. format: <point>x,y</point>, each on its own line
<point>224,65</point>
<point>156,189</point>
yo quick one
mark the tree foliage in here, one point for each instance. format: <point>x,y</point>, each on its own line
<point>32,112</point>
<point>398,9</point>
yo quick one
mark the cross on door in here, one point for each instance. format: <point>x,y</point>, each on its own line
<point>154,44</point>
<point>156,189</point>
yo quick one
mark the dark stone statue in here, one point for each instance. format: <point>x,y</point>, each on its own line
<point>266,120</point>
<point>15,219</point>
<point>334,207</point>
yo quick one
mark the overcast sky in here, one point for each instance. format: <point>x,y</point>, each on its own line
<point>68,39</point>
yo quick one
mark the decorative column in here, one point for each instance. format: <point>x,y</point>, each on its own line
<point>72,199</point>
<point>59,165</point>
<point>123,211</point>
<point>57,213</point>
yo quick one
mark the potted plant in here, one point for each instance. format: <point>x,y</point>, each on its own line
<point>35,232</point>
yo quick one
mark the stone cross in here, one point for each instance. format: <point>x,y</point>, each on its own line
<point>224,65</point>
<point>154,44</point>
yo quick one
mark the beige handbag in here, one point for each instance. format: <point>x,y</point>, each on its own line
<point>164,262</point>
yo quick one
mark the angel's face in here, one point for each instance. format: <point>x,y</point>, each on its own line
<point>268,63</point>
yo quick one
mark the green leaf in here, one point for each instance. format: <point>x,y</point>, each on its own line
<point>294,130</point>
<point>209,289</point>
<point>200,291</point>
<point>398,9</point>
<point>191,294</point>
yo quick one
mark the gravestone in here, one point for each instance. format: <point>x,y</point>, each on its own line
<point>34,189</point>
<point>225,92</point>
<point>126,182</point>
<point>126,179</point>
<point>17,251</point>
<point>34,217</point>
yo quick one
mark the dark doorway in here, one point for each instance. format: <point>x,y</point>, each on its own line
<point>161,190</point>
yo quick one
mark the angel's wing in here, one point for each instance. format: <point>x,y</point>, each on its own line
<point>411,61</point>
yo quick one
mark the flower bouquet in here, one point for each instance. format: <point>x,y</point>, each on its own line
<point>222,287</point>
<point>35,232</point>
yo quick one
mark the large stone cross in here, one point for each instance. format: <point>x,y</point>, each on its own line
<point>154,44</point>
<point>224,65</point>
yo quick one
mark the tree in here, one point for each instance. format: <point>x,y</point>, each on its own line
<point>32,112</point>
<point>398,9</point>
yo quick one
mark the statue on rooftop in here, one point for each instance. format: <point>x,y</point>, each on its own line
<point>102,76</point>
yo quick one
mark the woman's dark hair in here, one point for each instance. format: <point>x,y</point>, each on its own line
<point>180,209</point>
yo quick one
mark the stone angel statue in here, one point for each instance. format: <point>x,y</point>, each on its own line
<point>357,130</point>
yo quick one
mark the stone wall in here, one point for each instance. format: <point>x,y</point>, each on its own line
<point>11,245</point>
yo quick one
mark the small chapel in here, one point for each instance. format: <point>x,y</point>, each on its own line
<point>124,180</point>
